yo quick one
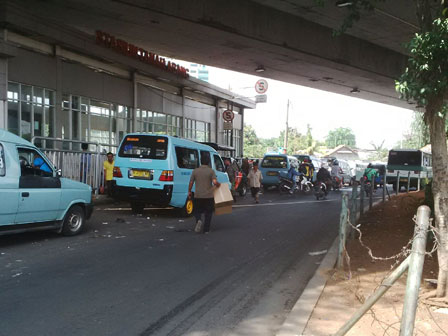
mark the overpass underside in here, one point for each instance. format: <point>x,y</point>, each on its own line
<point>293,44</point>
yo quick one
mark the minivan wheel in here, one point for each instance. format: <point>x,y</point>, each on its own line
<point>137,208</point>
<point>188,208</point>
<point>74,221</point>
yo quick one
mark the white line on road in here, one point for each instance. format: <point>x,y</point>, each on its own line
<point>233,206</point>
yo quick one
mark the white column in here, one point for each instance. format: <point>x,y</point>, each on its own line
<point>3,92</point>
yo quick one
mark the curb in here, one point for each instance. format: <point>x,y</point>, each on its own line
<point>297,320</point>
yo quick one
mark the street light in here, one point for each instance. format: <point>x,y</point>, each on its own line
<point>260,68</point>
<point>342,3</point>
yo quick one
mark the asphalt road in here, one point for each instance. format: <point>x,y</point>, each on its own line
<point>152,275</point>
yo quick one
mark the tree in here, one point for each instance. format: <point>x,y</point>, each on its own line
<point>340,136</point>
<point>381,153</point>
<point>425,82</point>
<point>418,134</point>
<point>253,146</point>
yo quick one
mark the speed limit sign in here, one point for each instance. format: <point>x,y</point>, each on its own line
<point>228,115</point>
<point>261,86</point>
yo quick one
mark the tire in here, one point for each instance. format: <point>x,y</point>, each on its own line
<point>242,190</point>
<point>317,197</point>
<point>74,221</point>
<point>188,208</point>
<point>137,207</point>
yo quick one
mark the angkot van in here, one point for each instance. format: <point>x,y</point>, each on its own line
<point>156,169</point>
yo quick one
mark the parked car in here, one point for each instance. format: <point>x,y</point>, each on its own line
<point>346,172</point>
<point>156,169</point>
<point>273,165</point>
<point>33,193</point>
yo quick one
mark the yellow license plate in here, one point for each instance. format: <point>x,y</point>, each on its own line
<point>271,173</point>
<point>141,174</point>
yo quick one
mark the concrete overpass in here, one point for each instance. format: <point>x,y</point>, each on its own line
<point>291,40</point>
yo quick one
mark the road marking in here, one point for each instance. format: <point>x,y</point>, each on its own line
<point>281,203</point>
<point>233,206</point>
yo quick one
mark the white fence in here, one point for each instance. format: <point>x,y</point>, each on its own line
<point>82,166</point>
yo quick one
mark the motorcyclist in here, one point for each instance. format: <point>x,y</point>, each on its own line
<point>307,169</point>
<point>370,173</point>
<point>335,172</point>
<point>323,175</point>
<point>292,173</point>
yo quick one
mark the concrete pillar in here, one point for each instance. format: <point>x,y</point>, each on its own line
<point>182,124</point>
<point>217,121</point>
<point>57,127</point>
<point>134,102</point>
<point>3,93</point>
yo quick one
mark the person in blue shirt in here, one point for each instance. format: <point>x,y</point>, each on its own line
<point>40,163</point>
<point>292,173</point>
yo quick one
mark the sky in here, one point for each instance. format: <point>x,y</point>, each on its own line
<point>324,111</point>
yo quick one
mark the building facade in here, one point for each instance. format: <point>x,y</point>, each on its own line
<point>57,82</point>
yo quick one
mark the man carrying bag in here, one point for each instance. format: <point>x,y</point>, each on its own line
<point>204,178</point>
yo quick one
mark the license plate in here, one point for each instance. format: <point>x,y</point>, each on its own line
<point>271,173</point>
<point>141,174</point>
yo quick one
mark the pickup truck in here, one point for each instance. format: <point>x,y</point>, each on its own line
<point>34,196</point>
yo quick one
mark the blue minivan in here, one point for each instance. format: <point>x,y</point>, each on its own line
<point>156,169</point>
<point>33,194</point>
<point>273,165</point>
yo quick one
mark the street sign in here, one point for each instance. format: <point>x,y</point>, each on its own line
<point>261,86</point>
<point>228,115</point>
<point>261,98</point>
<point>228,126</point>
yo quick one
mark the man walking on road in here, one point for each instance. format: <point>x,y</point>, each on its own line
<point>255,179</point>
<point>204,178</point>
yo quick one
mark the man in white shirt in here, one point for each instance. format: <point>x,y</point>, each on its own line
<point>255,179</point>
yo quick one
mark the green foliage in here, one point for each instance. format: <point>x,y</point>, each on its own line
<point>297,142</point>
<point>340,136</point>
<point>418,134</point>
<point>381,153</point>
<point>426,76</point>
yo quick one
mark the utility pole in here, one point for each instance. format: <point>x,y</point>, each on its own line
<point>285,143</point>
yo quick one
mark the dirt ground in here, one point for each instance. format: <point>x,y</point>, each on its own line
<point>385,229</point>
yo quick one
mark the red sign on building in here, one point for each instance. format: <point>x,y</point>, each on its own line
<point>128,49</point>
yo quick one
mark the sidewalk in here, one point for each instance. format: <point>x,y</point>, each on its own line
<point>386,229</point>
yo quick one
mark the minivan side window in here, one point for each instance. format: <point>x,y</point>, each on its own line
<point>218,163</point>
<point>32,163</point>
<point>187,158</point>
<point>2,161</point>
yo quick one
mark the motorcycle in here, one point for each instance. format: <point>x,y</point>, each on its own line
<point>367,186</point>
<point>336,182</point>
<point>305,184</point>
<point>320,190</point>
<point>286,185</point>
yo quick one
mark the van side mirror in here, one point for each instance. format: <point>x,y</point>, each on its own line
<point>59,172</point>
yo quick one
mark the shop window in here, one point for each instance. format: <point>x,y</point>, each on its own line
<point>187,158</point>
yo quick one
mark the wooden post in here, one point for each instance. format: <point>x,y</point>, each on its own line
<point>353,208</point>
<point>342,230</point>
<point>361,198</point>
<point>384,187</point>
<point>397,183</point>
<point>415,271</point>
<point>372,189</point>
<point>409,181</point>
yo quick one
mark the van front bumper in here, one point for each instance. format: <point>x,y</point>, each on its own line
<point>160,197</point>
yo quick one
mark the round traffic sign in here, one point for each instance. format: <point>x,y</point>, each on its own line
<point>228,115</point>
<point>261,86</point>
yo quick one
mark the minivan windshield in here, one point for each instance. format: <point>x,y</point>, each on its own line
<point>274,162</point>
<point>144,147</point>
